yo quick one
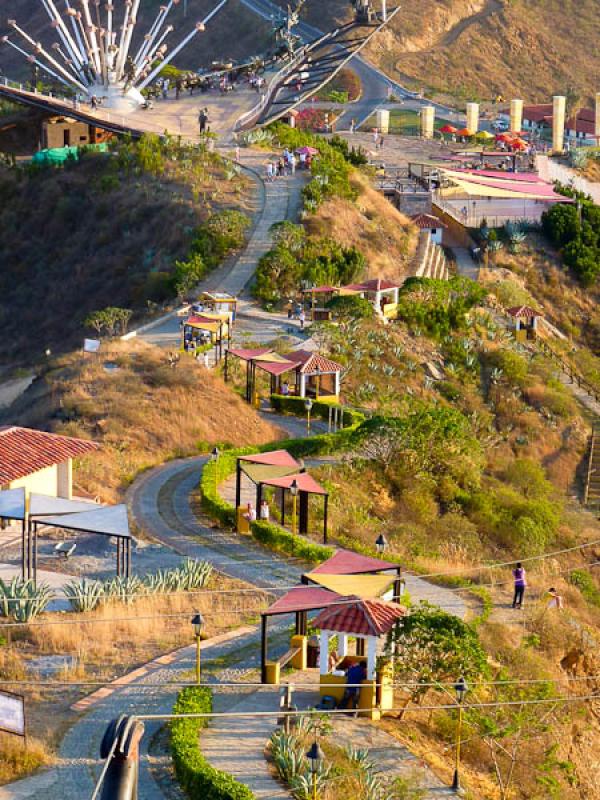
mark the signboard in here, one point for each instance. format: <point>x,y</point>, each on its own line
<point>91,345</point>
<point>12,713</point>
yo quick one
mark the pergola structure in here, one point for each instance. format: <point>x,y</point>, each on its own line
<point>382,294</point>
<point>313,374</point>
<point>259,467</point>
<point>305,485</point>
<point>111,521</point>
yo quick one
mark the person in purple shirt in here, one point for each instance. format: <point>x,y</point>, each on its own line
<point>520,584</point>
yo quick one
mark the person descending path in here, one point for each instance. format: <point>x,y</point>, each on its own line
<point>520,584</point>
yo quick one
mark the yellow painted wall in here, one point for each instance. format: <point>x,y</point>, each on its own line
<point>45,481</point>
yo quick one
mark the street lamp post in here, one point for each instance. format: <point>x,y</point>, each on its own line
<point>294,493</point>
<point>308,404</point>
<point>214,456</point>
<point>315,757</point>
<point>461,690</point>
<point>381,543</point>
<point>198,623</point>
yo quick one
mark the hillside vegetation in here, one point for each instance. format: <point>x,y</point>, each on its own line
<point>113,227</point>
<point>481,48</point>
<point>142,411</point>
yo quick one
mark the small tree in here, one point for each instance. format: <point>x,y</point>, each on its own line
<point>350,308</point>
<point>111,320</point>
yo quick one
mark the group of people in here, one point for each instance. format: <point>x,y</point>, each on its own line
<point>263,512</point>
<point>286,164</point>
<point>378,139</point>
<point>551,598</point>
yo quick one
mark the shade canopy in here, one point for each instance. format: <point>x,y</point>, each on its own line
<point>361,617</point>
<point>306,483</point>
<point>464,132</point>
<point>363,586</point>
<point>105,521</point>
<point>42,504</point>
<point>302,598</point>
<point>260,467</point>
<point>447,128</point>
<point>276,458</point>
<point>345,562</point>
<point>12,504</point>
<point>248,354</point>
<point>485,135</point>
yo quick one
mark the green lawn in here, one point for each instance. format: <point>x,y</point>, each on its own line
<point>404,121</point>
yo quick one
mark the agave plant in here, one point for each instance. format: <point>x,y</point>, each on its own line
<point>84,595</point>
<point>516,240</point>
<point>23,600</point>
<point>124,589</point>
<point>195,574</point>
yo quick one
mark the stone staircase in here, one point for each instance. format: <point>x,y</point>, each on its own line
<point>430,260</point>
<point>592,486</point>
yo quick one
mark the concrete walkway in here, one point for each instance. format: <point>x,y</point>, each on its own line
<point>237,744</point>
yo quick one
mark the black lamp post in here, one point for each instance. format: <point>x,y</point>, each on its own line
<point>308,404</point>
<point>315,757</point>
<point>461,688</point>
<point>381,543</point>
<point>294,492</point>
<point>214,456</point>
<point>198,623</point>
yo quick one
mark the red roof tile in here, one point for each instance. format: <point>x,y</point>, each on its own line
<point>312,362</point>
<point>523,311</point>
<point>425,221</point>
<point>345,562</point>
<point>305,482</point>
<point>373,285</point>
<point>363,617</point>
<point>24,451</point>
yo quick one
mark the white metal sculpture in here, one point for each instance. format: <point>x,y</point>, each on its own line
<point>92,52</point>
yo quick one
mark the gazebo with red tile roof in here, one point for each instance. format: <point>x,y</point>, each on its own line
<point>525,321</point>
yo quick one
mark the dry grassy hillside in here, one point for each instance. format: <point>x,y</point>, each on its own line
<point>252,32</point>
<point>479,48</point>
<point>385,236</point>
<point>141,411</point>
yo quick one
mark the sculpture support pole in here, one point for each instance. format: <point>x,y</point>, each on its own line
<point>39,49</point>
<point>34,60</point>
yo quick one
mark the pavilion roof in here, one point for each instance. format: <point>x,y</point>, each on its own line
<point>275,367</point>
<point>41,504</point>
<point>523,311</point>
<point>363,586</point>
<point>103,520</point>
<point>306,483</point>
<point>302,598</point>
<point>309,362</point>
<point>277,458</point>
<point>373,285</point>
<point>12,504</point>
<point>24,451</point>
<point>346,562</point>
<point>363,617</point>
<point>260,467</point>
<point>247,354</point>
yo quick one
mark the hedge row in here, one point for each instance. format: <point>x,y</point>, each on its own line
<point>269,534</point>
<point>295,405</point>
<point>196,776</point>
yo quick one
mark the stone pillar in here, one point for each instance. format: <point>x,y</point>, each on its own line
<point>473,117</point>
<point>427,121</point>
<point>383,120</point>
<point>516,115</point>
<point>597,119</point>
<point>558,123</point>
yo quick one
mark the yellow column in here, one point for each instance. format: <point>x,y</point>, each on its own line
<point>383,120</point>
<point>427,121</point>
<point>597,119</point>
<point>516,115</point>
<point>558,123</point>
<point>472,117</point>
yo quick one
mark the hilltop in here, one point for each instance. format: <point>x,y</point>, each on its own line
<point>477,49</point>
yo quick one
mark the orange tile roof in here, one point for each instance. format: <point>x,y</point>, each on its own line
<point>24,451</point>
<point>312,362</point>
<point>363,617</point>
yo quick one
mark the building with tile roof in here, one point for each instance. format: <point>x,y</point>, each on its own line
<point>39,461</point>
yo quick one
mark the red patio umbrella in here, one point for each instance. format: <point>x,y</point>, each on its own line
<point>504,137</point>
<point>447,128</point>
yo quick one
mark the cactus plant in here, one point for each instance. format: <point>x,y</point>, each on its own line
<point>84,595</point>
<point>23,600</point>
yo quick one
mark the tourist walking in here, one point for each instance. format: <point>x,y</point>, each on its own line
<point>270,172</point>
<point>352,126</point>
<point>202,120</point>
<point>292,163</point>
<point>520,584</point>
<point>302,318</point>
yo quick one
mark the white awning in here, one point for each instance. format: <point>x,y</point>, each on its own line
<point>12,504</point>
<point>104,520</point>
<point>43,504</point>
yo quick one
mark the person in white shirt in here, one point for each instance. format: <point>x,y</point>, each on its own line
<point>264,511</point>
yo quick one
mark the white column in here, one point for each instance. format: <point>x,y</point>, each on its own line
<point>597,119</point>
<point>337,384</point>
<point>324,653</point>
<point>383,120</point>
<point>302,385</point>
<point>342,644</point>
<point>516,115</point>
<point>427,121</point>
<point>64,479</point>
<point>558,122</point>
<point>371,656</point>
<point>472,117</point>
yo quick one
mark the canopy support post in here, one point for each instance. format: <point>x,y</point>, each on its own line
<point>325,514</point>
<point>226,370</point>
<point>35,552</point>
<point>263,649</point>
<point>23,548</point>
<point>238,490</point>
<point>118,557</point>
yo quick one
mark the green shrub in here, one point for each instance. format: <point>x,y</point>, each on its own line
<point>195,775</point>
<point>295,405</point>
<point>282,541</point>
<point>437,306</point>
<point>584,581</point>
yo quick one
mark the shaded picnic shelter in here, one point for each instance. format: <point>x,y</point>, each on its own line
<point>311,374</point>
<point>344,575</point>
<point>79,516</point>
<point>280,470</point>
